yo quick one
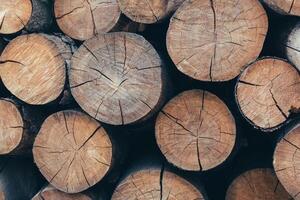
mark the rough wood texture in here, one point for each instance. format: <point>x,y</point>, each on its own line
<point>82,20</point>
<point>14,15</point>
<point>211,40</point>
<point>258,184</point>
<point>287,162</point>
<point>195,131</point>
<point>292,46</point>
<point>117,78</point>
<point>33,67</point>
<point>148,11</point>
<point>50,193</point>
<point>155,184</point>
<point>266,92</point>
<point>72,151</point>
<point>289,7</point>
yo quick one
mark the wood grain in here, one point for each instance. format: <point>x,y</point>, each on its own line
<point>289,7</point>
<point>292,46</point>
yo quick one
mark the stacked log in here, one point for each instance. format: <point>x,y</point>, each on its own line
<point>287,7</point>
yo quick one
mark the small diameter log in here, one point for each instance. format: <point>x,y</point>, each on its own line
<point>195,131</point>
<point>50,193</point>
<point>82,20</point>
<point>72,151</point>
<point>32,67</point>
<point>148,12</point>
<point>267,91</point>
<point>212,40</point>
<point>117,78</point>
<point>287,162</point>
<point>14,15</point>
<point>155,184</point>
<point>257,184</point>
<point>292,46</point>
<point>287,7</point>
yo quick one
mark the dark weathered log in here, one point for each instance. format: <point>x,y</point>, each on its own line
<point>292,46</point>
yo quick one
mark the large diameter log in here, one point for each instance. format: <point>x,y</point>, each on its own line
<point>288,7</point>
<point>14,15</point>
<point>82,20</point>
<point>292,46</point>
<point>260,183</point>
<point>287,162</point>
<point>211,40</point>
<point>33,67</point>
<point>72,151</point>
<point>152,184</point>
<point>148,11</point>
<point>267,91</point>
<point>195,131</point>
<point>117,78</point>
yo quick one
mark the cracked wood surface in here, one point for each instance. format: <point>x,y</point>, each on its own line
<point>72,151</point>
<point>292,46</point>
<point>257,184</point>
<point>83,19</point>
<point>50,193</point>
<point>266,91</point>
<point>195,131</point>
<point>287,162</point>
<point>154,184</point>
<point>289,7</point>
<point>148,11</point>
<point>14,15</point>
<point>117,78</point>
<point>211,40</point>
<point>32,67</point>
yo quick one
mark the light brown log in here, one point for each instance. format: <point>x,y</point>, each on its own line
<point>33,67</point>
<point>148,11</point>
<point>155,184</point>
<point>50,193</point>
<point>82,20</point>
<point>288,7</point>
<point>195,131</point>
<point>72,151</point>
<point>257,184</point>
<point>211,40</point>
<point>266,92</point>
<point>117,78</point>
<point>287,162</point>
<point>292,46</point>
<point>14,15</point>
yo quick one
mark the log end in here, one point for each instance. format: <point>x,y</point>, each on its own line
<point>287,7</point>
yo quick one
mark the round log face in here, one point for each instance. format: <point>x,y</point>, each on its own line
<point>72,151</point>
<point>50,193</point>
<point>116,77</point>
<point>287,162</point>
<point>257,184</point>
<point>211,40</point>
<point>154,184</point>
<point>290,7</point>
<point>292,46</point>
<point>82,20</point>
<point>267,90</point>
<point>11,127</point>
<point>14,15</point>
<point>33,69</point>
<point>195,131</point>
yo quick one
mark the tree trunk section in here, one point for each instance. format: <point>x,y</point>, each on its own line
<point>33,67</point>
<point>267,92</point>
<point>286,161</point>
<point>260,183</point>
<point>292,46</point>
<point>206,47</point>
<point>118,78</point>
<point>72,151</point>
<point>286,7</point>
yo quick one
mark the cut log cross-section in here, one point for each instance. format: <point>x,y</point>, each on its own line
<point>148,11</point>
<point>267,91</point>
<point>257,184</point>
<point>82,20</point>
<point>290,7</point>
<point>72,151</point>
<point>292,46</point>
<point>287,162</point>
<point>211,40</point>
<point>32,67</point>
<point>155,184</point>
<point>195,131</point>
<point>117,78</point>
